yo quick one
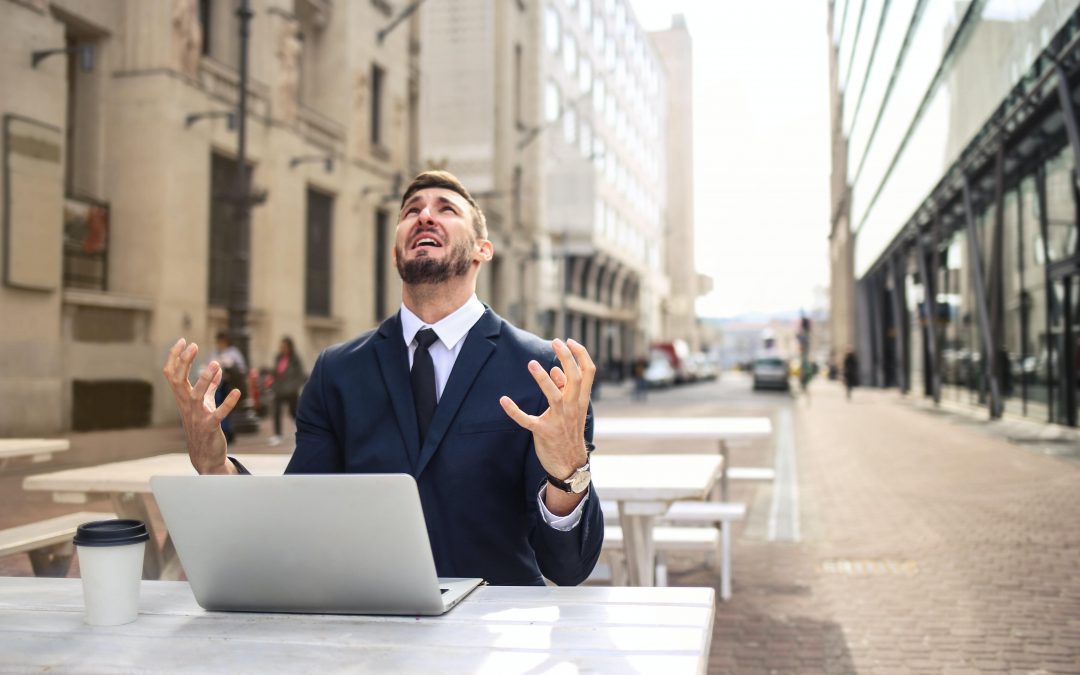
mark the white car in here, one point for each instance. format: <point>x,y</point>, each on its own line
<point>770,372</point>
<point>659,372</point>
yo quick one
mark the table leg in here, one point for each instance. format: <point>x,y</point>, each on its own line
<point>723,472</point>
<point>160,562</point>
<point>638,547</point>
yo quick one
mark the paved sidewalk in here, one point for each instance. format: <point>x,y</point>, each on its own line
<point>928,545</point>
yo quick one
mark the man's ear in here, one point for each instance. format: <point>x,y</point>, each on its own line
<point>486,249</point>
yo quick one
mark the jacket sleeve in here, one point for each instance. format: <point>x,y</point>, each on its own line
<point>566,558</point>
<point>317,446</point>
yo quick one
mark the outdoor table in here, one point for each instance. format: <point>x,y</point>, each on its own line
<point>127,485</point>
<point>495,629</point>
<point>38,449</point>
<point>644,487</point>
<point>672,429</point>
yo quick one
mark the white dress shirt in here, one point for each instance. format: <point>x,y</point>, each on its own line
<point>451,331</point>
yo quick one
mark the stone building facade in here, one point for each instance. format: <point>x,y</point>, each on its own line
<point>117,188</point>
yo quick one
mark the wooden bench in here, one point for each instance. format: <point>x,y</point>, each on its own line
<point>48,542</point>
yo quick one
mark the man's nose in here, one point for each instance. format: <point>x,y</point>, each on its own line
<point>425,215</point>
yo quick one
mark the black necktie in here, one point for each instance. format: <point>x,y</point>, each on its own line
<point>423,381</point>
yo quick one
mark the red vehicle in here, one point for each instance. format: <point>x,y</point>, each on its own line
<point>678,355</point>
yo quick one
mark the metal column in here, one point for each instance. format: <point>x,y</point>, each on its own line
<point>1051,297</point>
<point>930,308</point>
<point>980,298</point>
<point>1068,111</point>
<point>897,301</point>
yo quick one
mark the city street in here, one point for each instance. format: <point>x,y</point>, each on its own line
<point>894,539</point>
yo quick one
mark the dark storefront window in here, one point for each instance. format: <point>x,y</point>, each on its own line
<point>318,266</point>
<point>382,252</point>
<point>222,184</point>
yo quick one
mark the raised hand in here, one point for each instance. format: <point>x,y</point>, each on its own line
<point>559,433</point>
<point>199,413</point>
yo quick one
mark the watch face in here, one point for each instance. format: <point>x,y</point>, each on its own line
<point>580,480</point>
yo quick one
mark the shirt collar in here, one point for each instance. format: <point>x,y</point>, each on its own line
<point>451,329</point>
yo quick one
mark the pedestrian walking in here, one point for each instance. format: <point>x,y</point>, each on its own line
<point>641,387</point>
<point>233,372</point>
<point>851,371</point>
<point>288,379</point>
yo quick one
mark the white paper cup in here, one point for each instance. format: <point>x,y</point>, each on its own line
<point>111,562</point>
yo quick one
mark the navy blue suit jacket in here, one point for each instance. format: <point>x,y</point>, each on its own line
<point>477,472</point>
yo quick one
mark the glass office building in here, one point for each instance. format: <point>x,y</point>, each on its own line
<point>956,124</point>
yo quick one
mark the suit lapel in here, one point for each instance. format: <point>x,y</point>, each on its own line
<point>479,344</point>
<point>394,365</point>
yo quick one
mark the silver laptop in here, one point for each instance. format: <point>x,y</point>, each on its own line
<point>340,544</point>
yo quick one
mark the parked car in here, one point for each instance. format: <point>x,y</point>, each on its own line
<point>677,353</point>
<point>659,373</point>
<point>770,372</point>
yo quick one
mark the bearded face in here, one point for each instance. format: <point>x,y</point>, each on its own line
<point>428,270</point>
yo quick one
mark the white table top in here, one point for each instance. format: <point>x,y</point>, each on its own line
<point>134,475</point>
<point>618,477</point>
<point>20,447</point>
<point>654,477</point>
<point>494,630</point>
<point>702,428</point>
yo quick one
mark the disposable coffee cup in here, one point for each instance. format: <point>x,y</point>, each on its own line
<point>111,562</point>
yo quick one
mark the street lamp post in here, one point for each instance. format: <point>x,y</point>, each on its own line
<point>244,419</point>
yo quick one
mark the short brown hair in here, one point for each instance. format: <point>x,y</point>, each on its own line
<point>447,181</point>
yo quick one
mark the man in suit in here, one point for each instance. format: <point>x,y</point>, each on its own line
<point>493,422</point>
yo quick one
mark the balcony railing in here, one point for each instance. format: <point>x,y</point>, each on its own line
<point>86,244</point>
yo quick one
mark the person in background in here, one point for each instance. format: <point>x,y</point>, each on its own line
<point>851,371</point>
<point>288,379</point>
<point>233,372</point>
<point>641,387</point>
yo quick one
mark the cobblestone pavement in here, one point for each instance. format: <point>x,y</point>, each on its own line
<point>928,545</point>
<point>928,542</point>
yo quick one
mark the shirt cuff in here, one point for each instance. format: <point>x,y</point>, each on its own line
<point>561,523</point>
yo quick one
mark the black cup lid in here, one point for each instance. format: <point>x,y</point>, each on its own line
<point>117,532</point>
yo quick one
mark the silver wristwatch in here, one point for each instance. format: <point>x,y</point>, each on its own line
<point>575,483</point>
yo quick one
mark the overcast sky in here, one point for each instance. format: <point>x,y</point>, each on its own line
<point>761,156</point>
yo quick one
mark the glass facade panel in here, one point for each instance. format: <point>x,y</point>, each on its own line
<point>1060,209</point>
<point>847,41</point>
<point>1035,364</point>
<point>839,7</point>
<point>897,21</point>
<point>861,59</point>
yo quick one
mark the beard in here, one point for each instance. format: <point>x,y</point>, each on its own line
<point>430,271</point>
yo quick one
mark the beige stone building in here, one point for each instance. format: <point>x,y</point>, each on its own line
<point>557,113</point>
<point>841,239</point>
<point>680,320</point>
<point>116,216</point>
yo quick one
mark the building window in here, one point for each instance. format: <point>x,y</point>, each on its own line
<point>222,184</point>
<point>569,54</point>
<point>585,13</point>
<point>519,69</point>
<point>378,77</point>
<point>382,250</point>
<point>585,138</point>
<point>204,22</point>
<point>552,30</point>
<point>317,270</point>
<point>570,126</point>
<point>585,74</point>
<point>552,102</point>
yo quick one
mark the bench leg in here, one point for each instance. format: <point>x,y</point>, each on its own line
<point>52,561</point>
<point>725,560</point>
<point>618,569</point>
<point>661,569</point>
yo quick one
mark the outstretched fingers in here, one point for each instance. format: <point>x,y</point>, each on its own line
<point>227,405</point>
<point>524,419</point>
<point>549,387</point>
<point>587,368</point>
<point>570,368</point>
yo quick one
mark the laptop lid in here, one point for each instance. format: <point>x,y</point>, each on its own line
<point>335,544</point>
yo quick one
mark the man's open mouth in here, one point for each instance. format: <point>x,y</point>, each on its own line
<point>425,241</point>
